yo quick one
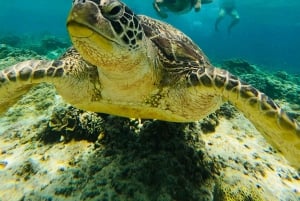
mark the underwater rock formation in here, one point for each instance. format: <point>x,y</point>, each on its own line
<point>58,152</point>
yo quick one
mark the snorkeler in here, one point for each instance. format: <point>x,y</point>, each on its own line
<point>178,6</point>
<point>227,7</point>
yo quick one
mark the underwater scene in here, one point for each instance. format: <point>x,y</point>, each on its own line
<point>153,100</point>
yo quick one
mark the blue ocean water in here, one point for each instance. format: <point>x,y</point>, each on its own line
<point>267,35</point>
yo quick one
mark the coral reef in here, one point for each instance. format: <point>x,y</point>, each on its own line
<point>279,85</point>
<point>87,156</point>
<point>162,161</point>
<point>11,40</point>
<point>52,151</point>
<point>68,123</point>
<point>209,123</point>
<point>49,46</point>
<point>228,192</point>
<point>10,55</point>
<point>46,46</point>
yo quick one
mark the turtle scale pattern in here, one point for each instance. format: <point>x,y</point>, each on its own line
<point>134,66</point>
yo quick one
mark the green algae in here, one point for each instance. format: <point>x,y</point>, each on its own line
<point>164,161</point>
<point>226,192</point>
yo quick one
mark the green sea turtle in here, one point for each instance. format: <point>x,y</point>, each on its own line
<point>134,66</point>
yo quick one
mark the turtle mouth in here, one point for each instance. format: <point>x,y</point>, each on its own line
<point>82,30</point>
<point>89,36</point>
<point>83,20</point>
<point>86,38</point>
<point>79,30</point>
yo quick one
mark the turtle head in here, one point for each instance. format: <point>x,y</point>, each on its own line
<point>106,33</point>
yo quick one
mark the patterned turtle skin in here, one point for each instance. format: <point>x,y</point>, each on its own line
<point>135,66</point>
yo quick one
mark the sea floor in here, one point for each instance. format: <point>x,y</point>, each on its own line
<point>52,151</point>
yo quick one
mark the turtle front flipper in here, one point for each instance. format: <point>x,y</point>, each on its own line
<point>16,80</point>
<point>282,131</point>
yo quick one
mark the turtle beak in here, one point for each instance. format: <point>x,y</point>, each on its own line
<point>82,17</point>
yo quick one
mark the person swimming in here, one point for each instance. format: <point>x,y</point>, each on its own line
<point>227,7</point>
<point>177,6</point>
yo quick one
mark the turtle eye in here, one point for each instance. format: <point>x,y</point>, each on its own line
<point>113,11</point>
